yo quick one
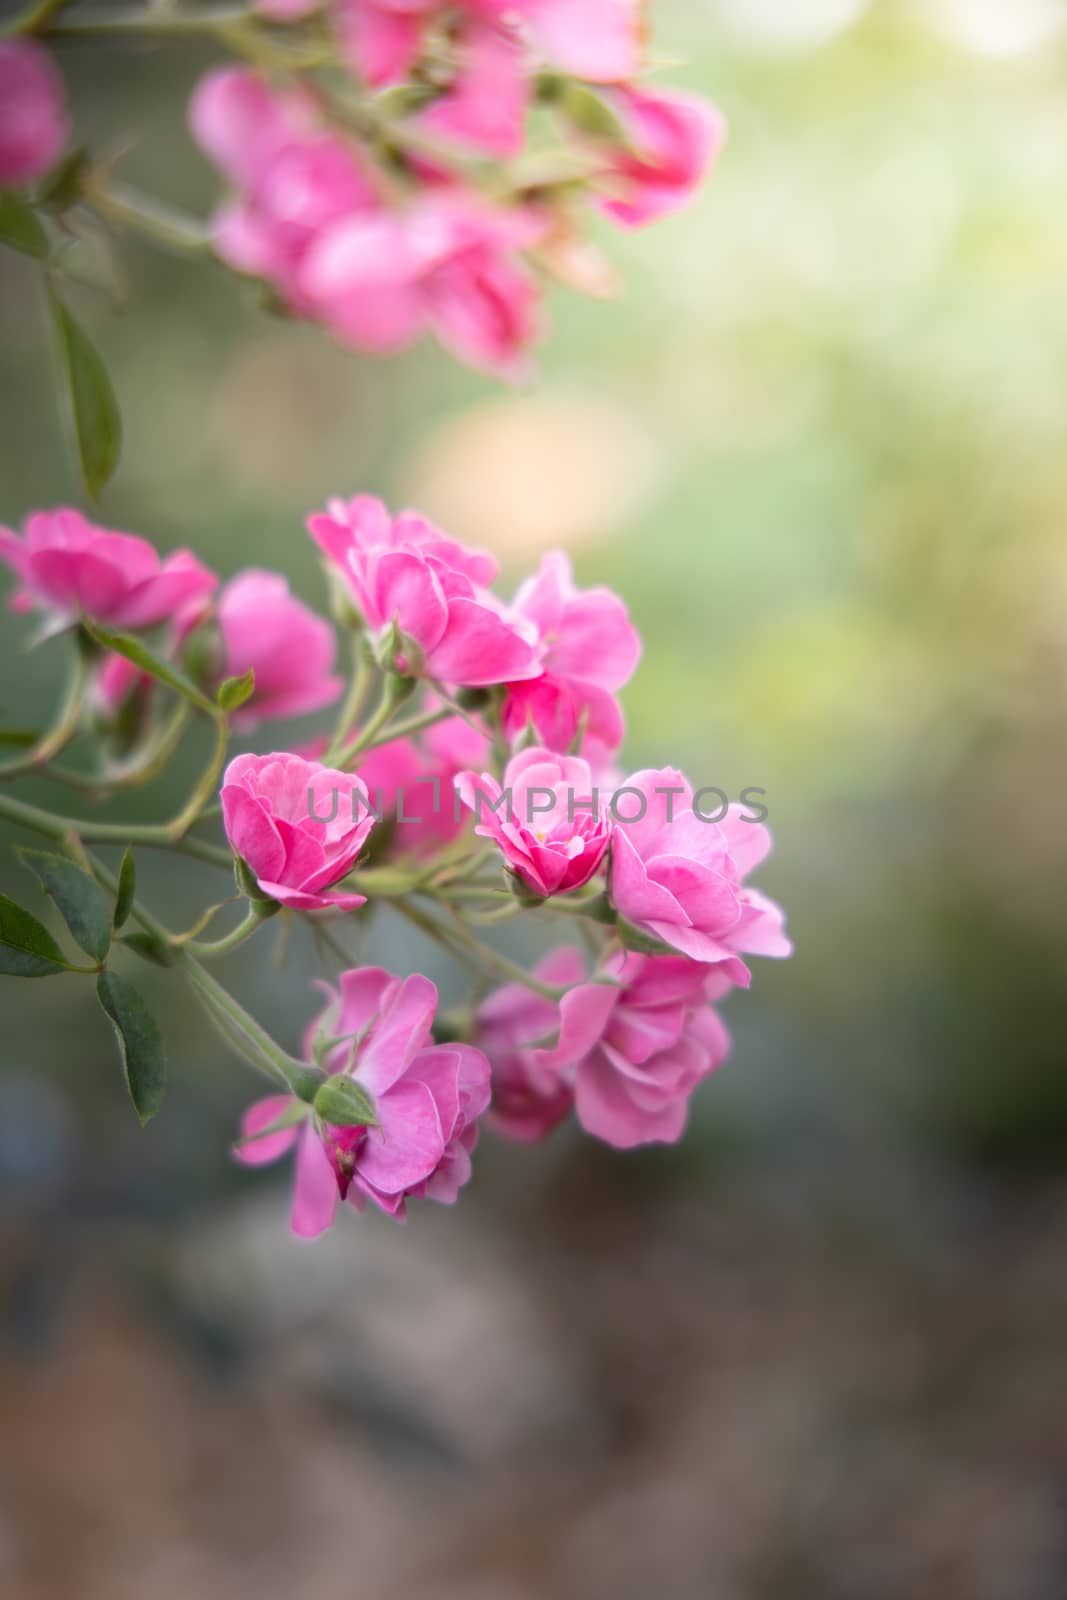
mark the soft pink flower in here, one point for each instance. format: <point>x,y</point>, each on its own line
<point>298,825</point>
<point>290,649</point>
<point>69,567</point>
<point>448,264</point>
<point>594,39</point>
<point>382,38</point>
<point>599,40</point>
<point>486,104</point>
<point>403,571</point>
<point>630,1049</point>
<point>680,878</point>
<point>411,785</point>
<point>427,1100</point>
<point>589,650</point>
<point>529,1099</point>
<point>673,139</point>
<point>33,112</point>
<point>292,177</point>
<point>549,824</point>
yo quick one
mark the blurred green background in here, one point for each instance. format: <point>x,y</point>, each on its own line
<point>819,445</point>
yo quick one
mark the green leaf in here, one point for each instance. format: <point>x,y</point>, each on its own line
<point>126,890</point>
<point>18,738</point>
<point>233,692</point>
<point>135,650</point>
<point>78,898</point>
<point>149,949</point>
<point>27,950</point>
<point>139,1041</point>
<point>20,226</point>
<point>97,424</point>
<point>592,114</point>
<point>345,1103</point>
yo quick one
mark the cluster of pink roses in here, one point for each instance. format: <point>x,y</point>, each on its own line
<point>369,221</point>
<point>624,1044</point>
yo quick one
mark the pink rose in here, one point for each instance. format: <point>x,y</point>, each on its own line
<point>448,264</point>
<point>599,40</point>
<point>71,568</point>
<point>549,824</point>
<point>290,649</point>
<point>33,112</point>
<point>486,105</point>
<point>427,1099</point>
<point>529,1099</point>
<point>630,1051</point>
<point>589,650</point>
<point>292,177</point>
<point>382,38</point>
<point>403,571</point>
<point>680,878</point>
<point>298,825</point>
<point>411,785</point>
<point>672,141</point>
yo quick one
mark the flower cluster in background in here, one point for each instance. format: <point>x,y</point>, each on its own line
<point>484,784</point>
<point>433,188</point>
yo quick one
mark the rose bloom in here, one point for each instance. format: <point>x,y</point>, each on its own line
<point>69,568</point>
<point>680,879</point>
<point>427,1099</point>
<point>549,825</point>
<point>628,1051</point>
<point>404,571</point>
<point>594,39</point>
<point>589,649</point>
<point>448,263</point>
<point>291,650</point>
<point>292,176</point>
<point>410,783</point>
<point>672,141</point>
<point>298,825</point>
<point>33,112</point>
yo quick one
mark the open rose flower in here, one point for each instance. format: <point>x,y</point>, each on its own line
<point>589,649</point>
<point>292,177</point>
<point>427,1099</point>
<point>447,263</point>
<point>594,39</point>
<point>69,568</point>
<point>403,572</point>
<point>290,649</point>
<point>548,821</point>
<point>411,785</point>
<point>680,877</point>
<point>33,112</point>
<point>298,825</point>
<point>672,140</point>
<point>628,1051</point>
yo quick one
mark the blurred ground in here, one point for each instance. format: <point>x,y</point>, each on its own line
<point>817,1350</point>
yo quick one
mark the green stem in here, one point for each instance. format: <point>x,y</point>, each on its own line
<point>66,724</point>
<point>394,692</point>
<point>58,827</point>
<point>154,20</point>
<point>33,20</point>
<point>352,708</point>
<point>495,962</point>
<point>258,913</point>
<point>205,788</point>
<point>242,1030</point>
<point>399,730</point>
<point>140,213</point>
